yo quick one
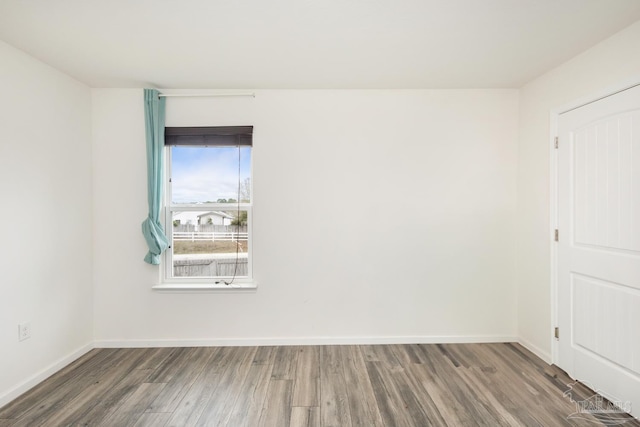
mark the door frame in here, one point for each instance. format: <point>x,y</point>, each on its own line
<point>554,117</point>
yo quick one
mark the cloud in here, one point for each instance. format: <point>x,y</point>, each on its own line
<point>201,174</point>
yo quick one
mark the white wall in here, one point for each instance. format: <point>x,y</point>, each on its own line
<point>379,216</point>
<point>45,257</point>
<point>605,66</point>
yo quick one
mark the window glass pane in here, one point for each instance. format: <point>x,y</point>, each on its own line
<point>210,174</point>
<point>210,243</point>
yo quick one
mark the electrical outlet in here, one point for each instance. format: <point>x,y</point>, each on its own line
<point>24,331</point>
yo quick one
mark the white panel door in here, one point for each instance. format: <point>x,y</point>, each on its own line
<point>599,245</point>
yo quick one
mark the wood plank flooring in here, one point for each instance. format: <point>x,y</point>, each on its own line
<point>341,386</point>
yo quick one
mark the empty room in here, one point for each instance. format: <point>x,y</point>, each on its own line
<point>320,213</point>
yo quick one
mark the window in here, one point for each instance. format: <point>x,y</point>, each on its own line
<point>208,205</point>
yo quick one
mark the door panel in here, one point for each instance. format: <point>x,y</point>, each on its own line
<point>604,160</point>
<point>599,245</point>
<point>605,321</point>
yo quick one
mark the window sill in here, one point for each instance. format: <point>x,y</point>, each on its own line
<point>239,287</point>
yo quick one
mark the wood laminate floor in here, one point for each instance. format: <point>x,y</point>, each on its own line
<point>365,385</point>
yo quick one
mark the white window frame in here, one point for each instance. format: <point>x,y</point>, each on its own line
<point>167,280</point>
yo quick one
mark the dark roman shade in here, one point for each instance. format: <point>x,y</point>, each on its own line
<point>212,136</point>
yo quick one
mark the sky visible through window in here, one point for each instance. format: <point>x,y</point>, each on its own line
<point>207,174</point>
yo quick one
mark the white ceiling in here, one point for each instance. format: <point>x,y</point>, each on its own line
<point>261,44</point>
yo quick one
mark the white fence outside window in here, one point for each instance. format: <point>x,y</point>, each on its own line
<point>199,236</point>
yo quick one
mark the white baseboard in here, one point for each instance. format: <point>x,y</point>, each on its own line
<point>44,374</point>
<point>544,355</point>
<point>219,342</point>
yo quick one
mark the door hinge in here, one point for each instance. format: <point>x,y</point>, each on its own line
<point>556,332</point>
<point>556,235</point>
<point>556,142</point>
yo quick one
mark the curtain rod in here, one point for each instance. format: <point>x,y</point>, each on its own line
<point>167,95</point>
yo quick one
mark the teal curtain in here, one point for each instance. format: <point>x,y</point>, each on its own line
<point>154,112</point>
